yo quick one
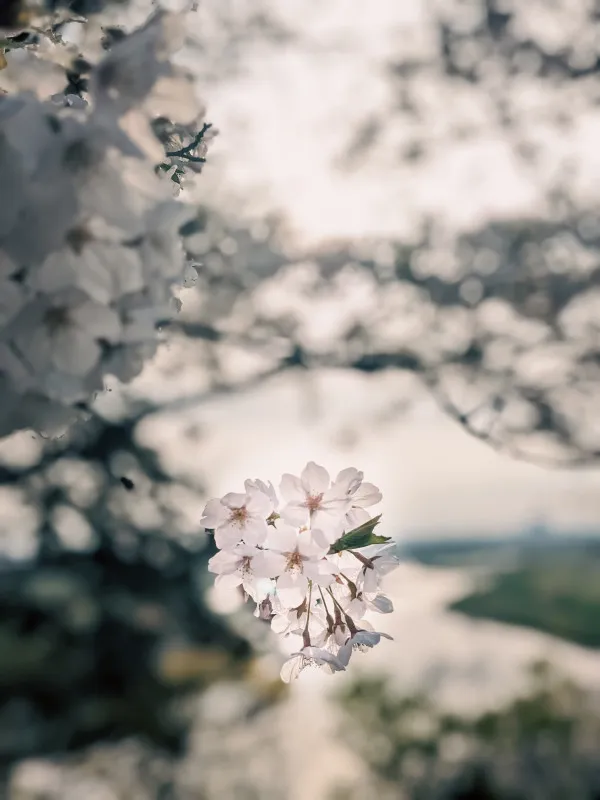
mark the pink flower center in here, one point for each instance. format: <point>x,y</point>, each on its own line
<point>294,561</point>
<point>246,565</point>
<point>239,516</point>
<point>313,501</point>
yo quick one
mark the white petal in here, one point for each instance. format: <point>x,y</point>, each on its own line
<point>348,480</point>
<point>344,653</point>
<point>357,608</point>
<point>368,638</point>
<point>330,521</point>
<point>291,489</point>
<point>230,581</point>
<point>310,546</point>
<point>258,504</point>
<point>255,531</point>
<point>227,537</point>
<point>291,589</point>
<point>313,571</point>
<point>281,623</point>
<point>266,488</point>
<point>321,540</point>
<point>381,603</point>
<point>315,479</point>
<point>97,321</point>
<point>267,564</point>
<point>74,352</point>
<point>282,538</point>
<point>355,517</point>
<point>225,561</point>
<point>214,514</point>
<point>292,668</point>
<point>370,581</point>
<point>234,500</point>
<point>380,550</point>
<point>252,590</point>
<point>366,495</point>
<point>387,565</point>
<point>295,514</point>
<point>320,655</point>
<point>244,549</point>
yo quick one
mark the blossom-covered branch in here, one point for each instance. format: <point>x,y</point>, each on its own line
<point>91,247</point>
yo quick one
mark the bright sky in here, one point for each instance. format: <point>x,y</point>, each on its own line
<point>435,478</point>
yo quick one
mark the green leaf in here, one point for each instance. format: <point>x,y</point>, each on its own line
<point>360,537</point>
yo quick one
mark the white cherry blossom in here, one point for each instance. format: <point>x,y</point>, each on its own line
<point>266,488</point>
<point>358,607</point>
<point>309,656</point>
<point>302,556</point>
<point>312,500</point>
<point>238,517</point>
<point>360,495</point>
<point>243,566</point>
<point>90,244</point>
<point>377,566</point>
<point>361,640</point>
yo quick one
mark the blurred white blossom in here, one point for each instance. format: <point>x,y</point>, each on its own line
<point>90,245</point>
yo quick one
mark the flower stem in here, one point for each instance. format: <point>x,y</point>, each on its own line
<point>363,559</point>
<point>328,616</point>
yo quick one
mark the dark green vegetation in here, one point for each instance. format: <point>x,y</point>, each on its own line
<point>551,585</point>
<point>563,600</point>
<point>540,745</point>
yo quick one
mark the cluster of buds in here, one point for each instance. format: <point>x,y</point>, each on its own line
<point>309,559</point>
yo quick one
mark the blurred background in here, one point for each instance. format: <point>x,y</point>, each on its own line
<point>398,269</point>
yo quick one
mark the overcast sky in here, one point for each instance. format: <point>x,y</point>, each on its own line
<point>435,478</point>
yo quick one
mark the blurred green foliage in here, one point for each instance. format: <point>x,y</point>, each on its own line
<point>540,745</point>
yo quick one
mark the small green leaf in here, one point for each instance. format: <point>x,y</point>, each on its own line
<point>359,537</point>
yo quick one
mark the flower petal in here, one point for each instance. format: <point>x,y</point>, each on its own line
<point>291,589</point>
<point>322,656</point>
<point>214,514</point>
<point>227,537</point>
<point>291,489</point>
<point>318,575</point>
<point>315,479</point>
<point>74,352</point>
<point>254,531</point>
<point>229,581</point>
<point>355,517</point>
<point>282,538</point>
<point>330,521</point>
<point>258,504</point>
<point>381,603</point>
<point>344,653</point>
<point>311,546</point>
<point>366,495</point>
<point>295,514</point>
<point>234,500</point>
<point>267,564</point>
<point>348,480</point>
<point>97,321</point>
<point>292,668</point>
<point>223,562</point>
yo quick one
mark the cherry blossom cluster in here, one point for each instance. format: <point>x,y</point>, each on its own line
<point>310,560</point>
<point>91,248</point>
